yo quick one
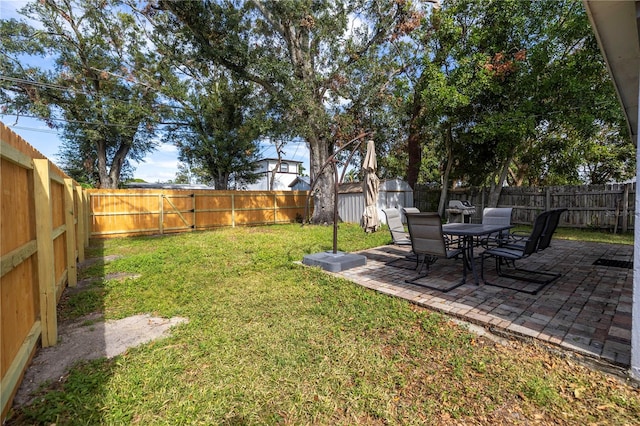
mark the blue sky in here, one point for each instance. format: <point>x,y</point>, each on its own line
<point>159,166</point>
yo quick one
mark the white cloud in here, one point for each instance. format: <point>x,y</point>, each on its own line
<point>153,175</point>
<point>159,166</point>
<point>165,147</point>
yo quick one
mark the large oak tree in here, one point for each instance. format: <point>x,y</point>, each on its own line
<point>91,91</point>
<point>301,53</point>
<point>513,91</point>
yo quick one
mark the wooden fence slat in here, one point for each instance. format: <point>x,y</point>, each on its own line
<point>35,263</point>
<point>625,208</point>
<point>46,267</point>
<point>17,256</point>
<point>69,210</point>
<point>80,223</point>
<point>594,206</point>
<point>86,229</point>
<point>11,379</point>
<point>161,218</point>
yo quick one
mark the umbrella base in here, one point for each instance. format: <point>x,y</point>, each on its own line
<point>334,262</point>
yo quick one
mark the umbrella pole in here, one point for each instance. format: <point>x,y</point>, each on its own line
<point>335,207</point>
<point>334,262</point>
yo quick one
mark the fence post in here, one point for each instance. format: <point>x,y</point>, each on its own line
<point>87,223</point>
<point>44,239</point>
<point>82,218</point>
<point>195,215</point>
<point>161,215</point>
<point>275,208</point>
<point>547,198</point>
<point>625,208</point>
<point>233,210</point>
<point>69,215</point>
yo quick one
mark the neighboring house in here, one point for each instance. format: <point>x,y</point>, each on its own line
<point>285,175</point>
<point>301,183</point>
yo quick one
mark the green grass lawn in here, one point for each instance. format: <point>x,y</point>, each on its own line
<point>270,341</point>
<point>592,235</point>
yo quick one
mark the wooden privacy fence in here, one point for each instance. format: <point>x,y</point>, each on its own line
<point>589,206</point>
<point>159,211</point>
<point>43,234</point>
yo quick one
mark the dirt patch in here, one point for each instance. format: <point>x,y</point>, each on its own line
<point>88,338</point>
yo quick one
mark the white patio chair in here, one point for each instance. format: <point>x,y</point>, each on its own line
<point>496,216</point>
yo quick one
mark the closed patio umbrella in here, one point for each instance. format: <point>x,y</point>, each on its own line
<point>371,183</point>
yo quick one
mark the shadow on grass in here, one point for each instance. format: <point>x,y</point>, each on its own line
<point>41,397</point>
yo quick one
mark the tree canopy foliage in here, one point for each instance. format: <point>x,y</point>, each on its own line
<point>217,134</point>
<point>301,54</point>
<point>463,92</point>
<point>507,92</point>
<point>92,91</point>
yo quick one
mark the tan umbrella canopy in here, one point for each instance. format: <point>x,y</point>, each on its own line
<point>370,187</point>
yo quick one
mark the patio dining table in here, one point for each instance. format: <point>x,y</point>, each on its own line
<point>468,232</point>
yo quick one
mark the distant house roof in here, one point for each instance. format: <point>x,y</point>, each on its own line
<point>305,180</point>
<point>275,159</point>
<point>164,186</point>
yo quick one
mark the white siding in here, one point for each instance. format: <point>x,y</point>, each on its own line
<point>351,207</point>
<point>393,193</point>
<point>281,181</point>
<point>634,369</point>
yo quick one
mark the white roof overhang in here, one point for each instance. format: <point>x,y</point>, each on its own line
<point>615,25</point>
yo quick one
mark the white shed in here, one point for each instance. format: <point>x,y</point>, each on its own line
<point>393,193</point>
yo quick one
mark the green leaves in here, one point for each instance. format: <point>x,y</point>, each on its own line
<point>507,77</point>
<point>94,86</point>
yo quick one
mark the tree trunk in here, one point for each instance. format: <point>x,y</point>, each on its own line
<point>448,142</point>
<point>221,181</point>
<point>116,164</point>
<point>324,189</point>
<point>496,187</point>
<point>110,178</point>
<point>445,181</point>
<point>103,174</point>
<point>414,148</point>
<point>276,169</point>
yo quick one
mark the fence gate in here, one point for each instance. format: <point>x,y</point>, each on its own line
<point>177,212</point>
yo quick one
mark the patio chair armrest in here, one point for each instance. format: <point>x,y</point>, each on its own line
<point>513,238</point>
<point>492,241</point>
<point>518,235</point>
<point>496,240</point>
<point>452,242</point>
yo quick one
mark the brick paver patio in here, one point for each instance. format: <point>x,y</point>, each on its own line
<point>587,310</point>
